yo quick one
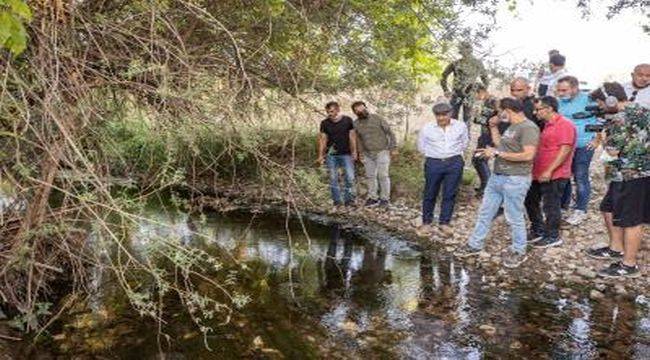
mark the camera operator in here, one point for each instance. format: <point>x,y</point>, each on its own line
<point>626,206</point>
<point>487,109</point>
<point>638,90</point>
<point>572,102</point>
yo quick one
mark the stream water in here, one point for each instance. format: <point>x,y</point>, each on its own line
<point>352,293</point>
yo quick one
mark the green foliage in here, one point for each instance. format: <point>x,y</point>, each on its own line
<point>14,14</point>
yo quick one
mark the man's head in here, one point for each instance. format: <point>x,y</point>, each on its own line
<point>553,52</point>
<point>546,108</point>
<point>481,92</point>
<point>359,109</point>
<point>567,87</point>
<point>519,88</point>
<point>610,97</point>
<point>556,62</point>
<point>332,109</point>
<point>442,111</point>
<point>511,109</point>
<point>641,76</point>
<point>465,49</point>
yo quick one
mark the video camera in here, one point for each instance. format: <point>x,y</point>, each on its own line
<point>604,114</point>
<point>488,111</point>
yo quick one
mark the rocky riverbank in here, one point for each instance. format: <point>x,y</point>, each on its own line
<point>565,269</point>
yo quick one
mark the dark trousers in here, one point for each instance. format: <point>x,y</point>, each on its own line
<point>549,196</point>
<point>448,174</point>
<point>459,100</point>
<point>483,170</point>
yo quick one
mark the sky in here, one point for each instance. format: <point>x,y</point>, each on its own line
<point>597,49</point>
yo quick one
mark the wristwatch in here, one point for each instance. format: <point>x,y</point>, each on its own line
<point>497,153</point>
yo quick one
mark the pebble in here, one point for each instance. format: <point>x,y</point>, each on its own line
<point>488,329</point>
<point>596,295</point>
<point>515,345</point>
<point>586,272</point>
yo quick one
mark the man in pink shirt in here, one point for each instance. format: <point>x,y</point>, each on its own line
<point>551,173</point>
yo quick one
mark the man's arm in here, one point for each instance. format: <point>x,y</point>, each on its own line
<point>443,78</point>
<point>322,145</point>
<point>484,76</point>
<point>421,141</point>
<point>565,150</point>
<point>353,144</point>
<point>392,141</point>
<point>494,131</point>
<point>465,137</point>
<point>527,155</point>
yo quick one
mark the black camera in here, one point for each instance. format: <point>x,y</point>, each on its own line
<point>590,111</point>
<point>488,111</point>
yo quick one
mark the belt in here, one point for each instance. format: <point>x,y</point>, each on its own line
<point>446,159</point>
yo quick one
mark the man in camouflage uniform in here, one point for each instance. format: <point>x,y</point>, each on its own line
<point>626,206</point>
<point>466,71</point>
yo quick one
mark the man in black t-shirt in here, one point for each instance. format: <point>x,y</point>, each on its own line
<point>337,148</point>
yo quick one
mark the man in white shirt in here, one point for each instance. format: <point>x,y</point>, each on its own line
<point>557,70</point>
<point>442,142</point>
<point>638,90</point>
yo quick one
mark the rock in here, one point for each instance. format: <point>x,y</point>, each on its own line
<point>515,345</point>
<point>601,287</point>
<point>349,326</point>
<point>488,329</point>
<point>416,222</point>
<point>596,295</point>
<point>565,291</point>
<point>586,273</point>
<point>620,289</point>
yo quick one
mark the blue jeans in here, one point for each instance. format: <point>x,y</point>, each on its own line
<point>580,168</point>
<point>334,162</point>
<point>511,191</point>
<point>447,173</point>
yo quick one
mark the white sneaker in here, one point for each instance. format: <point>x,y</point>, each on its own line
<point>577,217</point>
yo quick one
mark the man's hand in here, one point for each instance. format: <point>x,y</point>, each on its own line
<point>320,161</point>
<point>355,156</point>
<point>612,152</point>
<point>489,152</point>
<point>494,121</point>
<point>593,144</point>
<point>545,176</point>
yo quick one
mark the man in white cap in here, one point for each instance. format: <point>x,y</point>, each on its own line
<point>442,142</point>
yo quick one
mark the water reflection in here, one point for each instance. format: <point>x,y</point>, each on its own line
<point>380,296</point>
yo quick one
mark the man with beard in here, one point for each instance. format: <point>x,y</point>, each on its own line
<point>376,142</point>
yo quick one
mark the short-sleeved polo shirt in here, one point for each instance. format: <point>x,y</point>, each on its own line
<point>557,132</point>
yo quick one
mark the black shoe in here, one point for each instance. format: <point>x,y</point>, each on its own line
<point>604,253</point>
<point>548,242</point>
<point>534,237</point>
<point>383,203</point>
<point>618,270</point>
<point>371,203</point>
<point>466,251</point>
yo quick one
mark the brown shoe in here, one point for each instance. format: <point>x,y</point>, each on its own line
<point>424,230</point>
<point>446,230</point>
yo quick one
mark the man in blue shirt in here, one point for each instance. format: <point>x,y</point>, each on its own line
<point>571,102</point>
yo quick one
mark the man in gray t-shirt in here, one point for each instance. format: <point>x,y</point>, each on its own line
<point>513,140</point>
<point>514,154</point>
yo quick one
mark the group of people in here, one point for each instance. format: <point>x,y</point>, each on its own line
<point>539,146</point>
